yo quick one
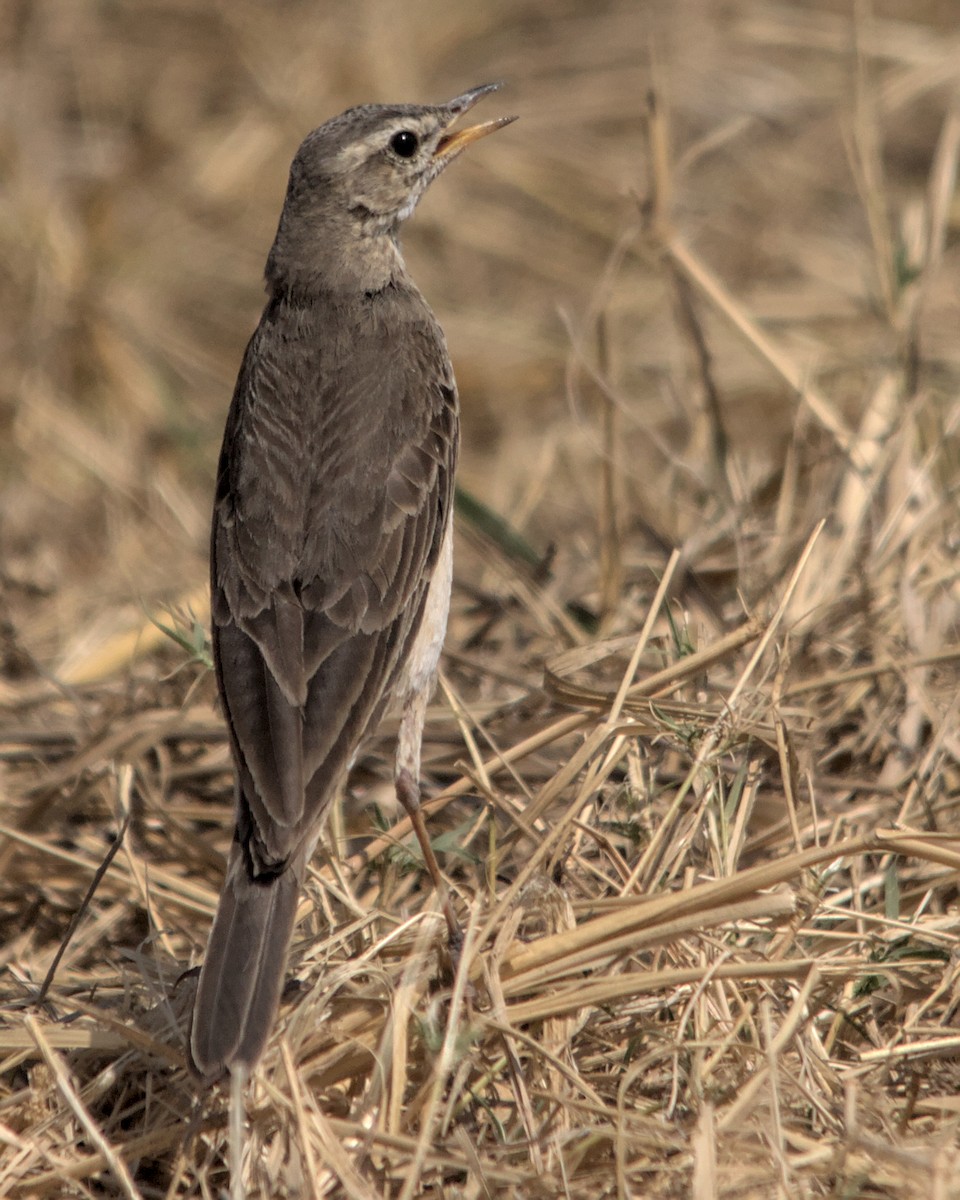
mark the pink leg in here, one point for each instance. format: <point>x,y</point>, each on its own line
<point>408,793</point>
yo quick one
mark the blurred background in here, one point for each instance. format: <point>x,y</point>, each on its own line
<point>144,146</point>
<point>702,296</point>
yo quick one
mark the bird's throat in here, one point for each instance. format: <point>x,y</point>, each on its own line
<point>367,262</point>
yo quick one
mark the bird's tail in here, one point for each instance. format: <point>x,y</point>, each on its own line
<point>243,972</point>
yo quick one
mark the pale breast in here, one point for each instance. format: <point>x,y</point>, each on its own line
<point>418,673</point>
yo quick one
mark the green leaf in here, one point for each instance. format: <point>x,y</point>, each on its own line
<point>495,527</point>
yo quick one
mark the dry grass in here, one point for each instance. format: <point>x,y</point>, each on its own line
<point>695,767</point>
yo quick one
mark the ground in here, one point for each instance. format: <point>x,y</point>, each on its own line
<point>694,757</point>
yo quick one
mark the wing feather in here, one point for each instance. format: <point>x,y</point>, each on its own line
<point>334,492</point>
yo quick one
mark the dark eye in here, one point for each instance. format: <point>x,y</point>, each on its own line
<point>405,143</point>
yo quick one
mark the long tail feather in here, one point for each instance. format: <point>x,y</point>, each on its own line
<point>243,972</point>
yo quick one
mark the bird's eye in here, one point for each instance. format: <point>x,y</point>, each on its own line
<point>405,143</point>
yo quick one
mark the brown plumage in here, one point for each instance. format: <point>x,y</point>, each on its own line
<point>330,555</point>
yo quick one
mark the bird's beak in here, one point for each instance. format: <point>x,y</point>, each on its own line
<point>451,143</point>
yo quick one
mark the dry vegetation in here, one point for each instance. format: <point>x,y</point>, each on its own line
<point>695,758</point>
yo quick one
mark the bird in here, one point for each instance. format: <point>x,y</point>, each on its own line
<point>331,542</point>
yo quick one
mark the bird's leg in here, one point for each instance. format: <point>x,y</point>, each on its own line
<point>407,782</point>
<point>408,793</point>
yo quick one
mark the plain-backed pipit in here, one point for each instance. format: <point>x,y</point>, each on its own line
<point>331,545</point>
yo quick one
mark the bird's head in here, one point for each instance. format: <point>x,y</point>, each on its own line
<point>356,177</point>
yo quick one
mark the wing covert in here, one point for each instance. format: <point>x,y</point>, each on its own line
<point>320,561</point>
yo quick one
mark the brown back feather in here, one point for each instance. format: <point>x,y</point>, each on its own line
<point>334,489</point>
